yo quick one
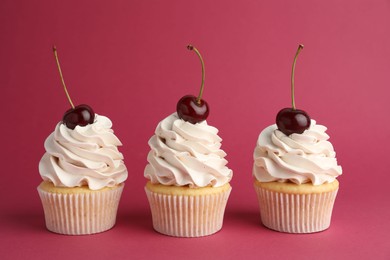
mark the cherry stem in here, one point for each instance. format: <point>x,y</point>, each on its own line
<point>300,47</point>
<point>62,78</point>
<point>192,48</point>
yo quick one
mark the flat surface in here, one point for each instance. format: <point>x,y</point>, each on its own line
<point>127,59</point>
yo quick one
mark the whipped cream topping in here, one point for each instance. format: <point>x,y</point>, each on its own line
<point>183,154</point>
<point>298,158</point>
<point>87,155</point>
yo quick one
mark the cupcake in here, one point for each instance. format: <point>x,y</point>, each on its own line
<point>295,171</point>
<point>295,179</point>
<point>83,177</point>
<point>83,173</point>
<point>188,180</point>
<point>188,185</point>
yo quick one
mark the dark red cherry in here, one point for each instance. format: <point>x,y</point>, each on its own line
<point>81,115</point>
<point>189,109</point>
<point>292,121</point>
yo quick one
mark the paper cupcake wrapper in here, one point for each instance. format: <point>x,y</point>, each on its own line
<point>187,216</point>
<point>80,213</point>
<point>295,213</point>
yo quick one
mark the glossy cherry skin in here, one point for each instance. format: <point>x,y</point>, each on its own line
<point>81,115</point>
<point>292,121</point>
<point>189,110</point>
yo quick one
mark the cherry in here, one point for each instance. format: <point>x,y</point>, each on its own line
<point>292,120</point>
<point>81,115</point>
<point>190,108</point>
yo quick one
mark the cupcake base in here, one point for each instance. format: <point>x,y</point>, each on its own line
<point>79,210</point>
<point>292,208</point>
<point>187,212</point>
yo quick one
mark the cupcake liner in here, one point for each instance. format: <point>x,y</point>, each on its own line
<point>187,216</point>
<point>80,213</point>
<point>296,213</point>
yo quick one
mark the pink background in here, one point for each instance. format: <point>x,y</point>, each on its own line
<point>127,59</point>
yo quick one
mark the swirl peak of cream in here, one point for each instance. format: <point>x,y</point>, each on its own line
<point>298,158</point>
<point>183,154</point>
<point>87,155</point>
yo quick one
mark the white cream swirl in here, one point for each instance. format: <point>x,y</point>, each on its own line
<point>299,158</point>
<point>87,155</point>
<point>183,154</point>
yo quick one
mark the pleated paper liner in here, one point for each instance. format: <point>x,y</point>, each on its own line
<point>306,212</point>
<point>188,215</point>
<point>80,213</point>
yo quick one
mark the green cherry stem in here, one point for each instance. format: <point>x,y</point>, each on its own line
<point>300,47</point>
<point>192,48</point>
<point>62,78</point>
